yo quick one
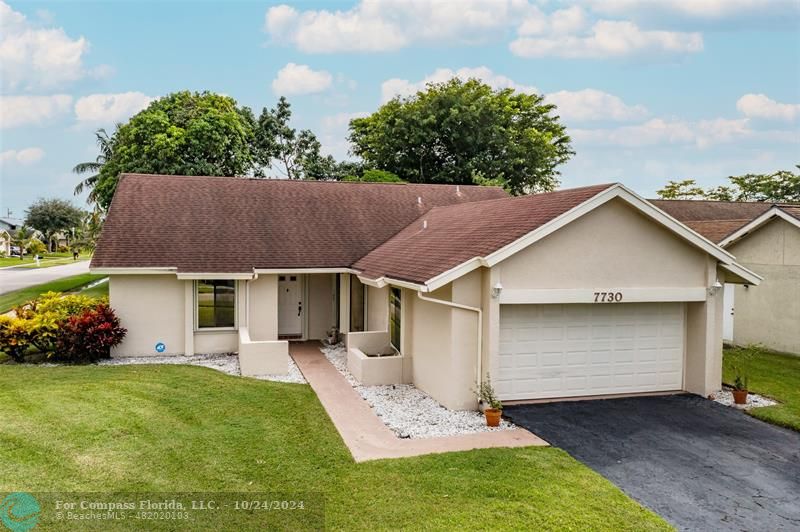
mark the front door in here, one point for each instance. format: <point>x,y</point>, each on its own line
<point>290,306</point>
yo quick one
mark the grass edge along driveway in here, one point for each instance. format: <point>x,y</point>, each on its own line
<point>11,299</point>
<point>776,375</point>
<point>189,429</point>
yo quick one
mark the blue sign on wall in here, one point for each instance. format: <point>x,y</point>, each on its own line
<point>160,347</point>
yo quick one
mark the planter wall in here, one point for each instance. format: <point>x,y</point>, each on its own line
<point>375,371</point>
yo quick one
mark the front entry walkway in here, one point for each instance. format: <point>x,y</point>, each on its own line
<point>365,435</point>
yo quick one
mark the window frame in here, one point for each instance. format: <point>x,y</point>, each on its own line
<point>396,310</point>
<point>235,326</point>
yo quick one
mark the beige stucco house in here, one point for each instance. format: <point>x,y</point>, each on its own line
<point>577,293</point>
<point>765,238</point>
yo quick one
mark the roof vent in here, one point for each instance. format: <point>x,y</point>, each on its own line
<point>419,200</point>
<point>424,224</point>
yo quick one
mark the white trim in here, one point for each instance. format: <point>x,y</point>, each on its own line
<point>758,222</point>
<point>215,276</point>
<point>748,276</point>
<point>380,282</point>
<point>304,270</point>
<point>587,295</point>
<point>614,191</point>
<point>132,271</point>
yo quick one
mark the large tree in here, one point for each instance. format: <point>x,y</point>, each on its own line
<point>182,133</point>
<point>465,132</point>
<point>780,186</point>
<point>51,216</point>
<point>286,152</point>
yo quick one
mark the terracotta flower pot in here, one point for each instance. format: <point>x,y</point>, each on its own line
<point>492,417</point>
<point>740,397</point>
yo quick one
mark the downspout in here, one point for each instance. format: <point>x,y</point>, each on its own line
<point>480,329</point>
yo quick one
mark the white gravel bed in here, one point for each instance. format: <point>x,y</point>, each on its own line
<point>226,363</point>
<point>409,412</point>
<point>725,397</point>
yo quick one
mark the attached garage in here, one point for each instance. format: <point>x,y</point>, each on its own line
<point>549,351</point>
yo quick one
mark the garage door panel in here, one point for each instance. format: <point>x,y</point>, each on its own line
<point>574,350</point>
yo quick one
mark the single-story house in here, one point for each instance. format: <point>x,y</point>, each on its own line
<point>583,292</point>
<point>765,237</point>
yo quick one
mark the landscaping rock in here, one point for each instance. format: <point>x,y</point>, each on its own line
<point>725,397</point>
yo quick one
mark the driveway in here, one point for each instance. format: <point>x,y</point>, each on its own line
<point>700,465</point>
<point>16,278</point>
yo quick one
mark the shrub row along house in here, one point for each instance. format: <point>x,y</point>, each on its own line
<point>765,237</point>
<point>576,293</point>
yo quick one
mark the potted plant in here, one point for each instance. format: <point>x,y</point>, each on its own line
<point>740,388</point>
<point>493,408</point>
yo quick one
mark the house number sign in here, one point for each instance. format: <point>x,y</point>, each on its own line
<point>608,297</point>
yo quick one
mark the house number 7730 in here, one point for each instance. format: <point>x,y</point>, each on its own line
<point>607,297</point>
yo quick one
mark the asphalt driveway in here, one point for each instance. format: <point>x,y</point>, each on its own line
<point>16,278</point>
<point>700,465</point>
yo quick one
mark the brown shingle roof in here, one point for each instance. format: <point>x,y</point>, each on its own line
<point>458,233</point>
<point>713,219</point>
<point>211,224</point>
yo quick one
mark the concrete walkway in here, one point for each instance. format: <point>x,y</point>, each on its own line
<point>365,435</point>
<point>15,278</point>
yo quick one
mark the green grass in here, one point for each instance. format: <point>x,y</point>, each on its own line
<point>48,259</point>
<point>11,299</point>
<point>772,374</point>
<point>188,429</point>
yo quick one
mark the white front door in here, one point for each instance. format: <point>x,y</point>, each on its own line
<point>290,306</point>
<point>727,312</point>
<point>549,351</point>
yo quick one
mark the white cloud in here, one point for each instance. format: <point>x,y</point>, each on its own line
<point>703,9</point>
<point>403,87</point>
<point>382,25</point>
<point>110,108</point>
<point>35,57</point>
<point>761,106</point>
<point>300,79</point>
<point>25,156</point>
<point>562,21</point>
<point>27,110</point>
<point>608,38</point>
<point>333,133</point>
<point>702,133</point>
<point>591,104</point>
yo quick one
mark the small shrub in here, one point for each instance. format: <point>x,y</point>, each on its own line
<point>14,340</point>
<point>488,395</point>
<point>36,247</point>
<point>63,249</point>
<point>89,336</point>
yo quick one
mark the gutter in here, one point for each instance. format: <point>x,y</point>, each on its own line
<point>480,329</point>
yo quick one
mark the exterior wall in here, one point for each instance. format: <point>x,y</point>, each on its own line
<point>320,305</point>
<point>769,314</point>
<point>153,309</point>
<point>377,308</point>
<point>206,342</point>
<point>263,308</point>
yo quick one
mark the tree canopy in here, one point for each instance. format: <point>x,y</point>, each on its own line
<point>780,186</point>
<point>462,131</point>
<point>182,133</point>
<point>51,216</point>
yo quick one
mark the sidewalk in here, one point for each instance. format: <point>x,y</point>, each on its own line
<point>365,435</point>
<point>16,278</point>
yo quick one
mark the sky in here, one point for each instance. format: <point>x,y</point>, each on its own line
<point>649,90</point>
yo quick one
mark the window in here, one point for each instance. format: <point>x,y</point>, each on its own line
<point>357,305</point>
<point>216,304</point>
<point>394,317</point>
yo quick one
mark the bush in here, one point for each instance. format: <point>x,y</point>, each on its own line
<point>89,337</point>
<point>36,247</point>
<point>375,176</point>
<point>40,323</point>
<point>63,249</point>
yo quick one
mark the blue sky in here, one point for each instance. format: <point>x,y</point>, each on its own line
<point>650,91</point>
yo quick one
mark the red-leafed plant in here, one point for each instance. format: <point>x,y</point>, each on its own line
<point>89,336</point>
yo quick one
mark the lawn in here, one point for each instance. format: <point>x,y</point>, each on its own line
<point>11,299</point>
<point>48,259</point>
<point>188,429</point>
<point>776,375</point>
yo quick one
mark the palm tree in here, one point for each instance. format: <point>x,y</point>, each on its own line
<point>22,238</point>
<point>106,145</point>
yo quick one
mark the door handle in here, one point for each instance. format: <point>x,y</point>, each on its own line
<point>299,307</point>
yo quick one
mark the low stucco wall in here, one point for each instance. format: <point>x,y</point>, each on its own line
<point>152,308</point>
<point>368,341</point>
<point>262,357</point>
<point>769,314</point>
<point>375,371</point>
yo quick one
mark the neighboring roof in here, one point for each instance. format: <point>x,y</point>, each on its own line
<point>446,237</point>
<point>10,223</point>
<point>789,213</point>
<point>718,220</point>
<point>235,225</point>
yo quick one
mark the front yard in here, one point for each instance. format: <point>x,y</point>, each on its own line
<point>179,428</point>
<point>76,283</point>
<point>47,260</point>
<point>772,374</point>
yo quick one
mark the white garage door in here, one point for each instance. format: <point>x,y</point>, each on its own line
<point>551,351</point>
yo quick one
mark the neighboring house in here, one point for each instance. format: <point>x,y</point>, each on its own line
<point>5,243</point>
<point>576,293</point>
<point>764,237</point>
